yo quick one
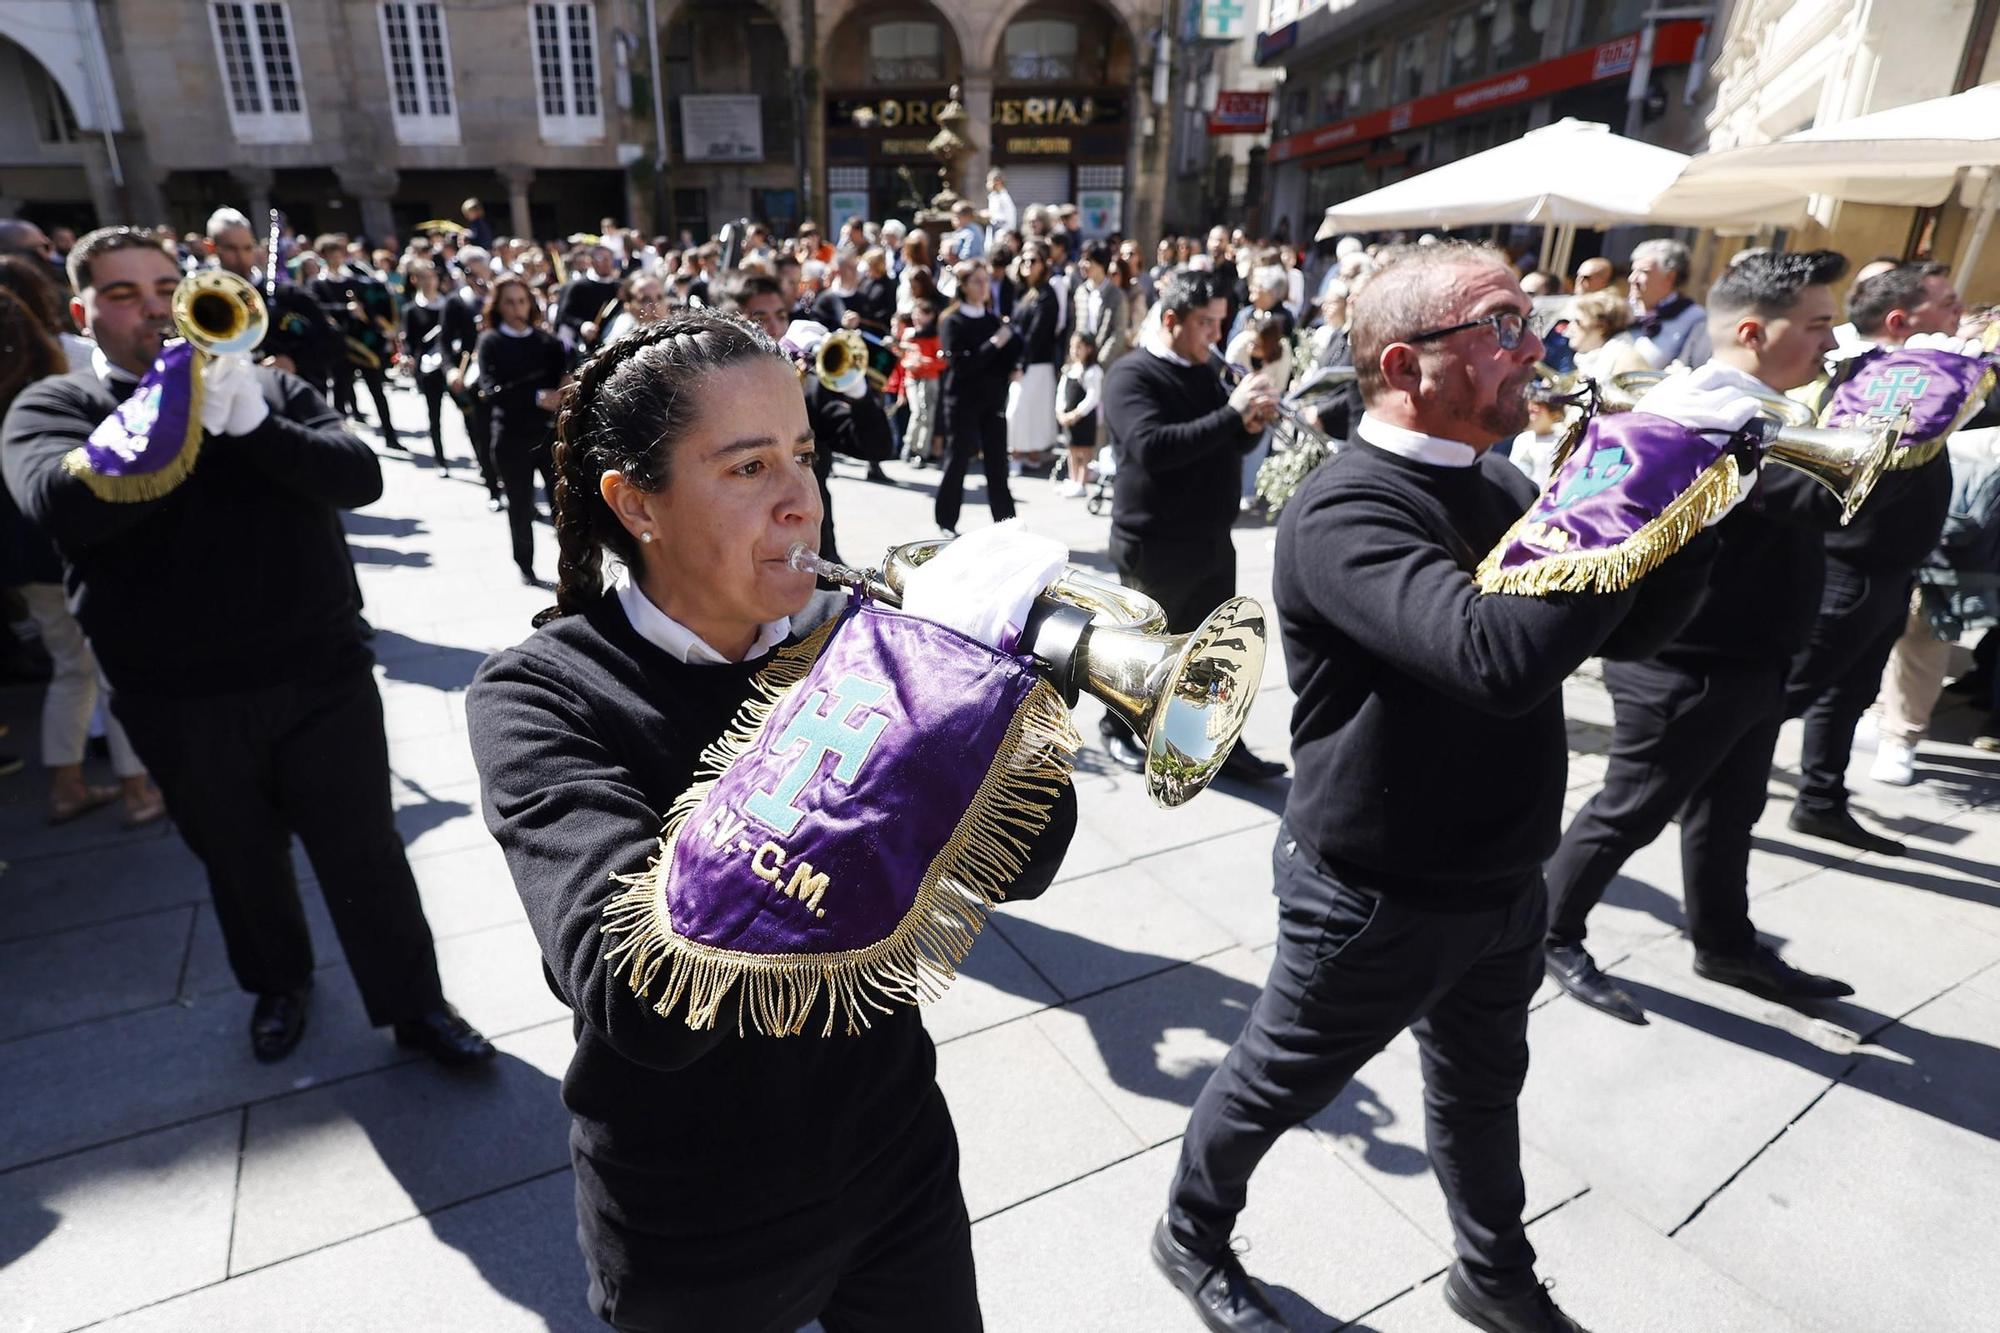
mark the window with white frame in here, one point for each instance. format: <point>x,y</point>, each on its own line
<point>260,70</point>
<point>565,55</point>
<point>418,60</point>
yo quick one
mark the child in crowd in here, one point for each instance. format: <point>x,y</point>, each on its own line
<point>1077,394</point>
<point>922,367</point>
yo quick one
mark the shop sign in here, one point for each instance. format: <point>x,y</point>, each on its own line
<point>1240,113</point>
<point>722,127</point>
<point>1100,212</point>
<point>1058,111</point>
<point>1039,145</point>
<point>885,113</point>
<point>1674,44</point>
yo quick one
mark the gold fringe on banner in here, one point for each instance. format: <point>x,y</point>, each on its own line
<point>919,958</point>
<point>145,485</point>
<point>1621,566</point>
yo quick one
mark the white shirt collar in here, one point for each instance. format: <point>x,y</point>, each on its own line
<point>683,644</point>
<point>513,332</point>
<point>1717,373</point>
<point>101,363</point>
<point>1414,444</point>
<point>1157,342</point>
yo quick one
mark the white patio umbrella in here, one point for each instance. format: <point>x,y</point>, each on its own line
<point>1907,155</point>
<point>1574,173</point>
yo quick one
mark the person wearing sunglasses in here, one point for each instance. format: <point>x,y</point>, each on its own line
<point>1429,763</point>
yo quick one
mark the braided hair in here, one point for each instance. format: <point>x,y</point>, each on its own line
<point>630,405</point>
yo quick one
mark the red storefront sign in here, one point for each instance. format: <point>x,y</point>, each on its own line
<point>1240,113</point>
<point>1673,44</point>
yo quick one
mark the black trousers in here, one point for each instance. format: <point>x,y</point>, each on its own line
<point>344,372</point>
<point>1836,676</point>
<point>242,773</point>
<point>432,388</point>
<point>519,458</point>
<point>1696,743</point>
<point>1188,578</point>
<point>822,472</point>
<point>479,428</point>
<point>892,1255</point>
<point>1352,970</point>
<point>968,433</point>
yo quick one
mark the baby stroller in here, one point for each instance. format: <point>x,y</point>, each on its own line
<point>1103,468</point>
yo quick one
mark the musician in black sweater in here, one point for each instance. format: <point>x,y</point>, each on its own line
<point>1428,743</point>
<point>585,297</point>
<point>1180,438</point>
<point>223,614</point>
<point>726,1183</point>
<point>1871,567</point>
<point>980,355</point>
<point>521,368</point>
<point>1697,722</point>
<point>437,331</point>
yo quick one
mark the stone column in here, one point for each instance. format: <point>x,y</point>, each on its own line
<point>517,180</point>
<point>255,183</point>
<point>104,192</point>
<point>975,94</point>
<point>371,184</point>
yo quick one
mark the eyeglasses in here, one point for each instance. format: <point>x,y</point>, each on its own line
<point>1507,325</point>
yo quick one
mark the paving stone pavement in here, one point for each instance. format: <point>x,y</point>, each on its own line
<point>1733,1166</point>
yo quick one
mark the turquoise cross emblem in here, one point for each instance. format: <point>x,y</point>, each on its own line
<point>1891,393</point>
<point>1606,469</point>
<point>834,732</point>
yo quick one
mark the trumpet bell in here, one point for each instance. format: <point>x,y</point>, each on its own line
<point>1186,696</point>
<point>219,313</point>
<point>1847,462</point>
<point>842,360</point>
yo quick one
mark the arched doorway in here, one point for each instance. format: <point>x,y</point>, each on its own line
<point>43,150</point>
<point>733,133</point>
<point>1064,107</point>
<point>889,66</point>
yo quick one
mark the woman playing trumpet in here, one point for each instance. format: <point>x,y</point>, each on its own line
<point>725,1180</point>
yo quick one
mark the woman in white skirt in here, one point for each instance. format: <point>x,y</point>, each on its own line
<point>1037,320</point>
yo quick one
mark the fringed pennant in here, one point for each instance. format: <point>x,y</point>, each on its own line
<point>1939,391</point>
<point>1635,490</point>
<point>149,445</point>
<point>846,836</point>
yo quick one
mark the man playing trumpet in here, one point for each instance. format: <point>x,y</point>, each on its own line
<point>1429,752</point>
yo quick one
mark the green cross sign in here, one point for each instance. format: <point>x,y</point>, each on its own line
<point>1221,18</point>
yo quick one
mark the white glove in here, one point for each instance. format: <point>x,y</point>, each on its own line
<point>1944,342</point>
<point>232,400</point>
<point>1699,403</point>
<point>984,584</point>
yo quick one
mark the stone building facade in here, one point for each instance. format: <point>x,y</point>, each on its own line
<point>369,115</point>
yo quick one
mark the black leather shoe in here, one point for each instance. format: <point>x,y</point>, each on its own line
<point>1575,971</point>
<point>1531,1311</point>
<point>1247,767</point>
<point>1124,750</point>
<point>878,476</point>
<point>1762,972</point>
<point>445,1037</point>
<point>277,1023</point>
<point>1227,1298</point>
<point>1842,827</point>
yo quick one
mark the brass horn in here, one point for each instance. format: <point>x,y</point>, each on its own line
<point>1186,696</point>
<point>220,313</point>
<point>1847,462</point>
<point>842,356</point>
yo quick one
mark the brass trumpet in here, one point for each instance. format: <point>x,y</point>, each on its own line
<point>1846,462</point>
<point>1186,696</point>
<point>841,359</point>
<point>220,313</point>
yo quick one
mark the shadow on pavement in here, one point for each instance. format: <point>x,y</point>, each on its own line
<point>360,524</point>
<point>382,555</point>
<point>1948,1078</point>
<point>437,665</point>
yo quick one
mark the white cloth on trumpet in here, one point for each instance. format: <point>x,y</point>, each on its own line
<point>983,584</point>
<point>1712,397</point>
<point>1031,410</point>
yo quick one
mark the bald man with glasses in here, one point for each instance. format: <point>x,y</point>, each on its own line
<point>1429,758</point>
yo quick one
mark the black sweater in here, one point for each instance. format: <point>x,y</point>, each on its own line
<point>235,579</point>
<point>511,372</point>
<point>1180,448</point>
<point>976,373</point>
<point>1427,738</point>
<point>1038,323</point>
<point>583,735</point>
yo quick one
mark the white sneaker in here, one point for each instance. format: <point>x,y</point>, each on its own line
<point>1895,764</point>
<point>1070,490</point>
<point>1865,732</point>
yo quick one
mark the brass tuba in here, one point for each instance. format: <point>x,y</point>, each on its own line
<point>1847,462</point>
<point>1186,696</point>
<point>841,360</point>
<point>220,313</point>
